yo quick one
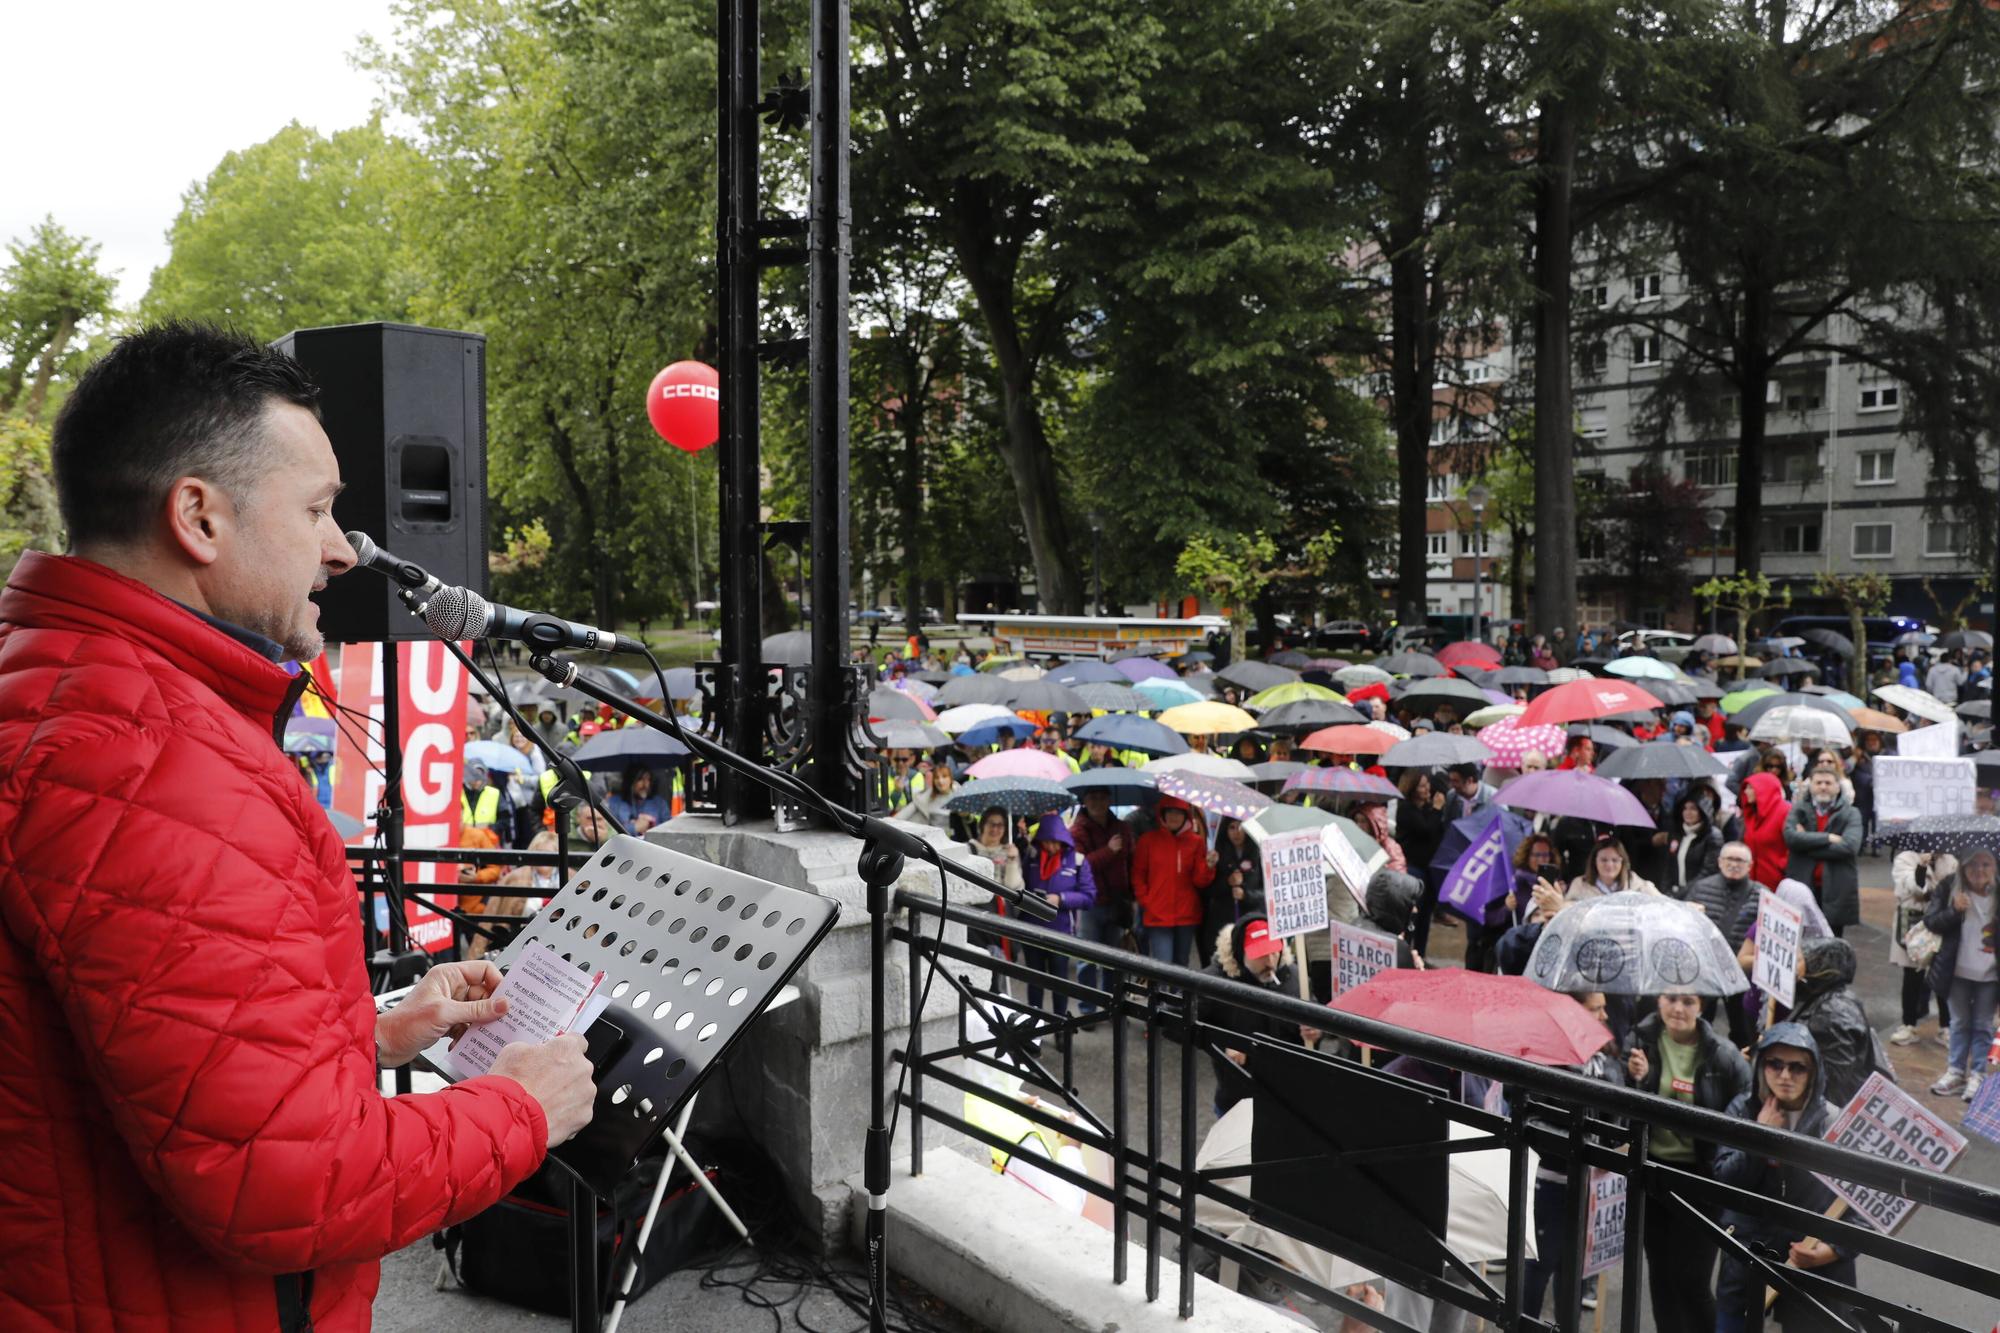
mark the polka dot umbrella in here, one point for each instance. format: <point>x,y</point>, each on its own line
<point>1511,742</point>
<point>1027,798</point>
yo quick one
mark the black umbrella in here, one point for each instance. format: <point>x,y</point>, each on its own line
<point>1044,696</point>
<point>1273,772</point>
<point>1827,638</point>
<point>974,690</point>
<point>1519,675</point>
<point>792,648</point>
<point>1979,709</point>
<point>1945,833</point>
<point>1787,666</point>
<point>1290,658</point>
<point>1660,759</point>
<point>1306,715</point>
<point>1427,696</point>
<point>613,750</point>
<point>1747,715</point>
<point>1705,689</point>
<point>1607,738</point>
<point>1256,677</point>
<point>1673,693</point>
<point>1440,749</point>
<point>1966,638</point>
<point>1410,664</point>
<point>1986,767</point>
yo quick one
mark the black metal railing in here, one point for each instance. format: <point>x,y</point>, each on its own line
<point>1575,1124</point>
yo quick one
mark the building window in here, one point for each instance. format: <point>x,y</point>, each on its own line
<point>1795,537</point>
<point>1437,544</point>
<point>1645,349</point>
<point>1646,287</point>
<point>1875,467</point>
<point>1593,423</point>
<point>1802,400</point>
<point>1943,537</point>
<point>1597,296</point>
<point>1595,358</point>
<point>1881,397</point>
<point>1711,467</point>
<point>1874,541</point>
<point>1485,543</point>
<point>1797,466</point>
<point>1440,487</point>
<point>1590,545</point>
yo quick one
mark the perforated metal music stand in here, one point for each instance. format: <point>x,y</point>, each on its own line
<point>691,953</point>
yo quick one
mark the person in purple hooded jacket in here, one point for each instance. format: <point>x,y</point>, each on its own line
<point>1054,869</point>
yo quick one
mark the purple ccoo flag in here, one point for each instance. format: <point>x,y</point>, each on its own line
<point>1484,874</point>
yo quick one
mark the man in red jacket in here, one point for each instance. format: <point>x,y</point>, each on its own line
<point>192,1132</point>
<point>1171,865</point>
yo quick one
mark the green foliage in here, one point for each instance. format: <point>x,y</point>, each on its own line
<point>28,516</point>
<point>53,297</point>
<point>295,232</point>
<point>1746,596</point>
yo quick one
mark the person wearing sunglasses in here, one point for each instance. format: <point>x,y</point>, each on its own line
<point>1788,1093</point>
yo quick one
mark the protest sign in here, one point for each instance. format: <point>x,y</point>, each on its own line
<point>1346,862</point>
<point>1886,1122</point>
<point>1358,954</point>
<point>1483,874</point>
<point>1779,928</point>
<point>1294,882</point>
<point>1604,1226</point>
<point>1939,740</point>
<point>1908,788</point>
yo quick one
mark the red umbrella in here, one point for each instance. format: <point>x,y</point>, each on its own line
<point>1468,652</point>
<point>1505,1015</point>
<point>1582,700</point>
<point>1348,739</point>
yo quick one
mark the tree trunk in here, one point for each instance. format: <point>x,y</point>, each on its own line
<point>1555,446</point>
<point>45,370</point>
<point>564,449</point>
<point>1751,413</point>
<point>1410,380</point>
<point>1517,570</point>
<point>910,417</point>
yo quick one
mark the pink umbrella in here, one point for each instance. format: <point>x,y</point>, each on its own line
<point>1581,795</point>
<point>1510,741</point>
<point>1469,653</point>
<point>1022,763</point>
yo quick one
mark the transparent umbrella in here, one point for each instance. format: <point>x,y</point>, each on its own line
<point>1635,943</point>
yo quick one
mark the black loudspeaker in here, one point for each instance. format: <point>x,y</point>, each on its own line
<point>405,408</point>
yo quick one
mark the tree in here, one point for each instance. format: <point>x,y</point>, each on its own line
<point>1653,524</point>
<point>295,232</point>
<point>1745,596</point>
<point>1862,595</point>
<point>52,295</point>
<point>1234,570</point>
<point>28,514</point>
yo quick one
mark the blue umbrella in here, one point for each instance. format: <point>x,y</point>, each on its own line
<point>627,746</point>
<point>1022,797</point>
<point>499,758</point>
<point>1087,671</point>
<point>989,733</point>
<point>1129,731</point>
<point>1128,786</point>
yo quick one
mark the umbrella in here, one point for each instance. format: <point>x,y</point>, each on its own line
<point>1757,709</point>
<point>1783,641</point>
<point>1390,729</point>
<point>990,732</point>
<point>681,683</point>
<point>1274,819</point>
<point>973,690</point>
<point>1839,643</point>
<point>998,664</point>
<point>1660,759</point>
<point>1945,833</point>
<point>1831,695</point>
<point>1292,692</point>
<point>1582,700</point>
<point>1218,796</point>
<point>1480,675</point>
<point>1045,696</point>
<point>1966,638</point>
<point>1793,723</point>
<point>910,736</point>
<point>1129,731</point>
<point>1579,795</point>
<point>1088,671</point>
<point>1520,675</point>
<point>1192,656</point>
<point>1022,671</point>
<point>1915,702</point>
<point>967,716</point>
<point>793,648</point>
<point>1255,676</point>
<point>1635,944</point>
<point>922,689</point>
<point>1641,668</point>
<point>1201,683</point>
<point>1460,835</point>
<point>344,824</point>
<point>1342,781</point>
<point>1440,749</point>
<point>609,750</point>
<point>1605,738</point>
<point>898,706</point>
<point>1410,664</point>
<point>1719,645</point>
<point>1874,719</point>
<point>1025,798</point>
<point>1978,709</point>
<point>1487,716</point>
<point>1207,765</point>
<point>1813,924</point>
<point>1113,698</point>
<point>498,758</point>
<point>1348,740</point>
<point>931,677</point>
<point>1741,661</point>
<point>1273,772</point>
<point>1914,640</point>
<point>1136,669</point>
<point>1468,652</point>
<point>1288,657</point>
<point>1021,763</point>
<point>1128,786</point>
<point>1704,689</point>
<point>1353,677</point>
<point>1673,693</point>
<point>1505,1015</point>
<point>1564,675</point>
<point>1426,697</point>
<point>1168,693</point>
<point>1306,715</point>
<point>1787,666</point>
<point>1743,698</point>
<point>1208,719</point>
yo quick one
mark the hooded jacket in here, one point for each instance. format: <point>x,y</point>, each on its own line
<point>1788,1183</point>
<point>1763,814</point>
<point>1825,1002</point>
<point>1392,896</point>
<point>1721,1073</point>
<point>1232,1083</point>
<point>1837,884</point>
<point>1071,879</point>
<point>1169,871</point>
<point>192,1110</point>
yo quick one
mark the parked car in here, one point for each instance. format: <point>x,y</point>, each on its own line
<point>1666,644</point>
<point>1351,635</point>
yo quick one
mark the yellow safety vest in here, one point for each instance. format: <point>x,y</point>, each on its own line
<point>488,812</point>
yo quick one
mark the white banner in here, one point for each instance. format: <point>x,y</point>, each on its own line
<point>1294,883</point>
<point>1358,954</point>
<point>1886,1122</point>
<point>1347,864</point>
<point>1779,929</point>
<point>1907,788</point>
<point>1604,1229</point>
<point>1939,740</point>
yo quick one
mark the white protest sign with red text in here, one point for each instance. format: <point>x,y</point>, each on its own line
<point>1886,1122</point>
<point>1358,954</point>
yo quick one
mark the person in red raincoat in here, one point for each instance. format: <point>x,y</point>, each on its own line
<point>1171,865</point>
<point>1762,814</point>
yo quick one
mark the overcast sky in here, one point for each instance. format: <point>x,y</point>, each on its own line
<point>115,107</point>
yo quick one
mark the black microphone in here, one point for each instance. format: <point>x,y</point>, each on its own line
<point>456,613</point>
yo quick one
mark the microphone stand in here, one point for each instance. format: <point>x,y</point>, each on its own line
<point>885,848</point>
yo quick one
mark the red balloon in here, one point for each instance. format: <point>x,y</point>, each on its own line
<point>685,405</point>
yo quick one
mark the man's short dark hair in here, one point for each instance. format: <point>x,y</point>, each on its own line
<point>175,399</point>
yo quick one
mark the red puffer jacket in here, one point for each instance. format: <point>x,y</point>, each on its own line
<point>189,1106</point>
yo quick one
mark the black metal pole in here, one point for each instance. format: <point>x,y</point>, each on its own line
<point>739,552</point>
<point>880,869</point>
<point>389,818</point>
<point>829,690</point>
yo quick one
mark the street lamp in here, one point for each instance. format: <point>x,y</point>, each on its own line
<point>1477,498</point>
<point>1716,518</point>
